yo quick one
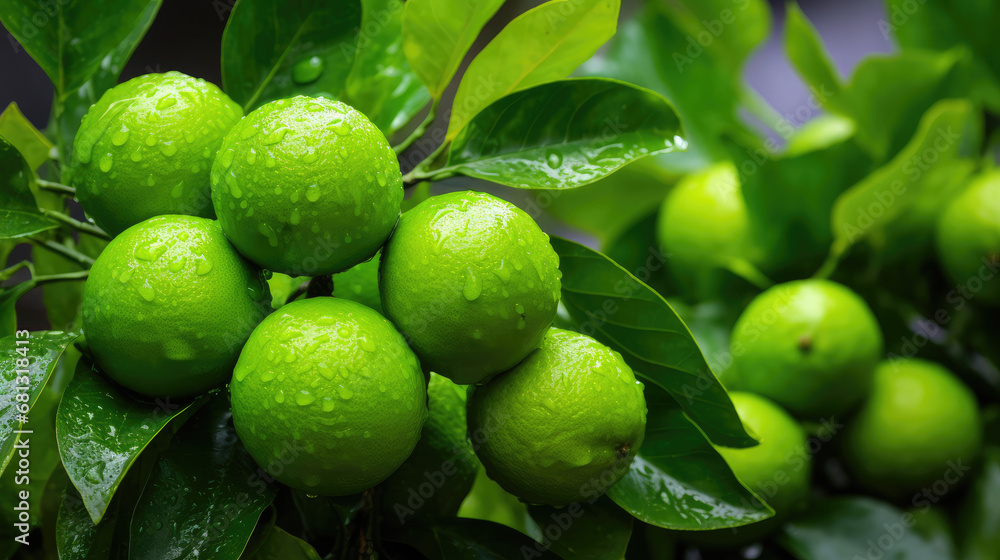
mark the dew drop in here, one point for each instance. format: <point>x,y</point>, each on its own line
<point>204,267</point>
<point>473,286</point>
<point>307,70</point>
<point>553,159</point>
<point>304,398</point>
<point>312,193</point>
<point>105,163</point>
<point>166,103</point>
<point>120,136</point>
<point>146,291</point>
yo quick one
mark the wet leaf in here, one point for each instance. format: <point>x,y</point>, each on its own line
<point>19,213</point>
<point>584,531</point>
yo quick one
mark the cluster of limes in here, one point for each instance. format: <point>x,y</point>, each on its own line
<point>812,351</point>
<point>331,394</point>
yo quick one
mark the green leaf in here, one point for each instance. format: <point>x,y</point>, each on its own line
<point>205,493</point>
<point>438,33</point>
<point>23,135</point>
<point>543,44</point>
<point>564,134</point>
<point>660,48</point>
<point>980,514</point>
<point>282,287</point>
<point>808,55</point>
<point>272,50</point>
<point>19,214</point>
<point>942,24</point>
<point>77,537</point>
<point>63,300</point>
<point>849,527</point>
<point>42,351</point>
<point>947,131</point>
<point>8,306</point>
<point>102,430</point>
<point>449,538</point>
<point>488,501</point>
<point>613,306</point>
<point>70,39</point>
<point>582,531</point>
<point>679,481</point>
<point>279,545</point>
<point>381,83</point>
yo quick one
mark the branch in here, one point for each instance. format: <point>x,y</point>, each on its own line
<point>66,277</point>
<point>82,227</point>
<point>58,188</point>
<point>67,252</point>
<point>418,132</point>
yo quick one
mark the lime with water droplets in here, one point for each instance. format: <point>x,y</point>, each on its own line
<point>146,149</point>
<point>306,186</point>
<point>168,305</point>
<point>327,397</point>
<point>562,426</point>
<point>472,282</point>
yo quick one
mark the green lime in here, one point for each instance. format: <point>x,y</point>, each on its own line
<point>327,397</point>
<point>809,345</point>
<point>306,186</point>
<point>360,283</point>
<point>146,148</point>
<point>968,237</point>
<point>440,471</point>
<point>562,426</point>
<point>472,282</point>
<point>168,305</point>
<point>920,425</point>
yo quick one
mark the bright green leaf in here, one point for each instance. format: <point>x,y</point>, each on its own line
<point>276,49</point>
<point>102,430</point>
<point>381,83</point>
<point>679,481</point>
<point>564,134</point>
<point>19,214</point>
<point>613,306</point>
<point>543,44</point>
<point>809,56</point>
<point>188,502</point>
<point>23,135</point>
<point>438,33</point>
<point>41,350</point>
<point>596,531</point>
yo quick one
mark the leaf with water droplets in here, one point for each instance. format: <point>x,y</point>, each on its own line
<point>650,336</point>
<point>42,351</point>
<point>564,134</point>
<point>205,494</point>
<point>19,213</point>
<point>102,430</point>
<point>678,480</point>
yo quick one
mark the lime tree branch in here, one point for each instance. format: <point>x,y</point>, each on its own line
<point>58,188</point>
<point>418,132</point>
<point>421,172</point>
<point>82,227</point>
<point>67,252</point>
<point>66,277</point>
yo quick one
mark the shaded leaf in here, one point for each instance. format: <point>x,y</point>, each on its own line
<point>679,481</point>
<point>77,537</point>
<point>8,306</point>
<point>438,33</point>
<point>205,494</point>
<point>980,514</point>
<point>279,545</point>
<point>272,50</point>
<point>564,134</point>
<point>19,213</point>
<point>102,430</point>
<point>808,55</point>
<point>584,531</point>
<point>614,307</point>
<point>543,44</point>
<point>450,538</point>
<point>23,135</point>
<point>42,351</point>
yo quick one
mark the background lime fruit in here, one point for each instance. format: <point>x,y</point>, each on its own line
<point>810,345</point>
<point>146,149</point>
<point>919,423</point>
<point>968,237</point>
<point>328,391</point>
<point>472,282</point>
<point>306,186</point>
<point>168,305</point>
<point>438,475</point>
<point>360,283</point>
<point>562,426</point>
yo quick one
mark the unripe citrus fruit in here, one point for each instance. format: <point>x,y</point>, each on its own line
<point>810,345</point>
<point>168,305</point>
<point>472,282</point>
<point>562,426</point>
<point>146,148</point>
<point>306,186</point>
<point>439,473</point>
<point>359,283</point>
<point>920,424</point>
<point>331,384</point>
<point>968,236</point>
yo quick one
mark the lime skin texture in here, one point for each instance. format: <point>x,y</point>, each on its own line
<point>809,345</point>
<point>443,460</point>
<point>472,282</point>
<point>562,426</point>
<point>169,303</point>
<point>920,425</point>
<point>146,149</point>
<point>968,237</point>
<point>306,186</point>
<point>327,390</point>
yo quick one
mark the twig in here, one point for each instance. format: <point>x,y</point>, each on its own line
<point>69,253</point>
<point>418,132</point>
<point>65,277</point>
<point>55,187</point>
<point>82,227</point>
